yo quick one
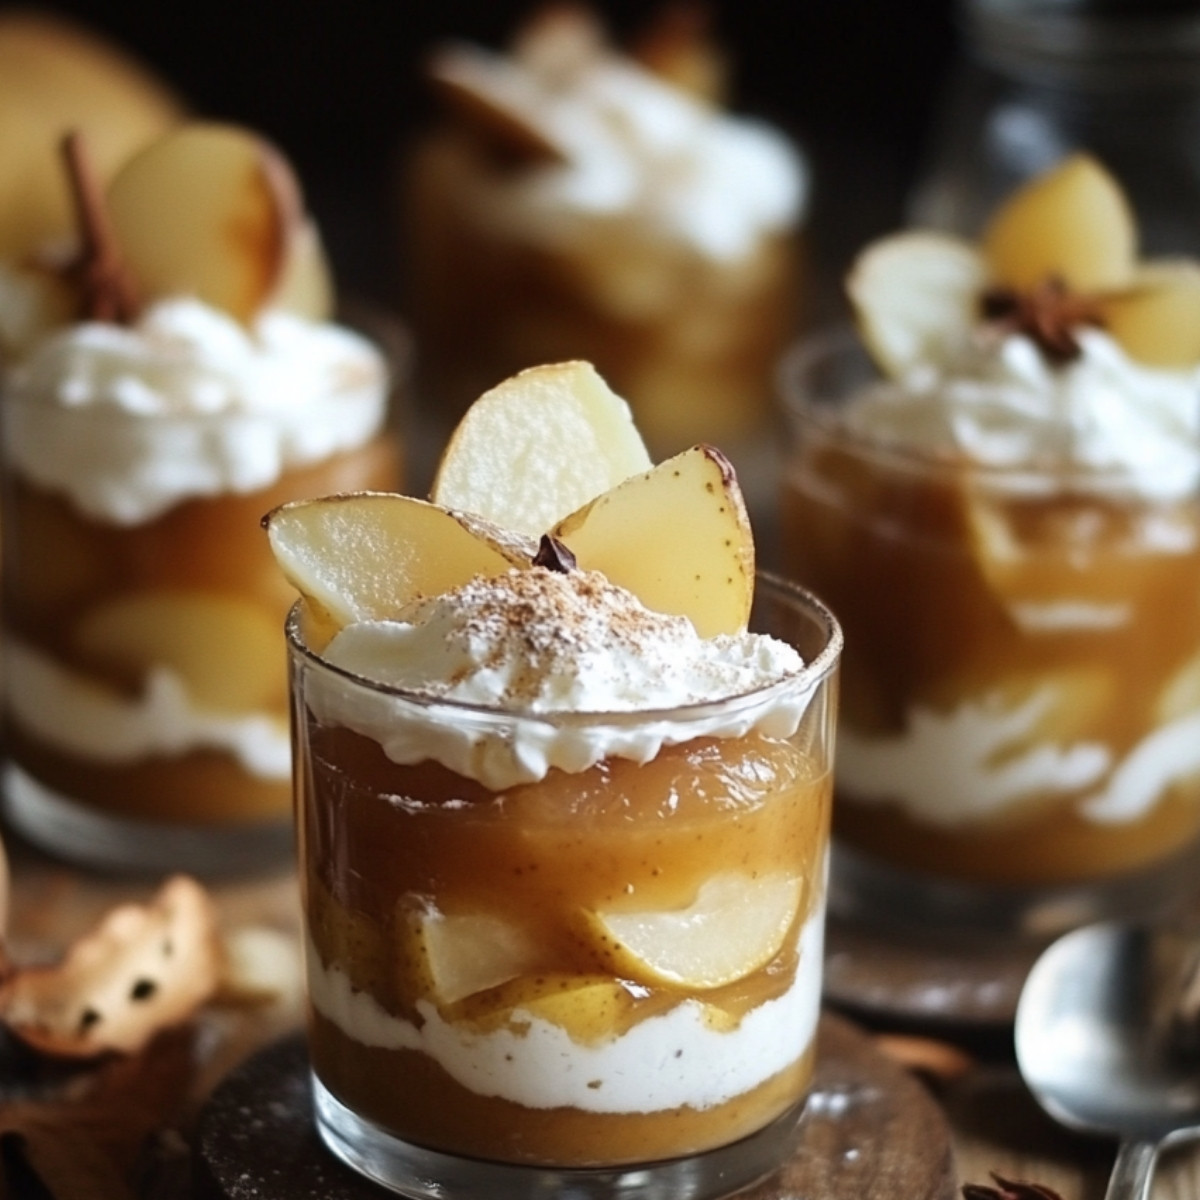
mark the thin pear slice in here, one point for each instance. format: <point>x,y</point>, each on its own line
<point>916,297</point>
<point>224,648</point>
<point>210,211</point>
<point>366,555</point>
<point>1072,223</point>
<point>447,958</point>
<point>677,536</point>
<point>538,446</point>
<point>736,924</point>
<point>1157,318</point>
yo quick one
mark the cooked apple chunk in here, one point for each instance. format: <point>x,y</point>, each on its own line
<point>223,648</point>
<point>677,536</point>
<point>366,555</point>
<point>448,957</point>
<point>538,446</point>
<point>212,211</point>
<point>588,1008</point>
<point>736,924</point>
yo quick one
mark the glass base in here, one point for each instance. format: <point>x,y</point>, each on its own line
<point>430,1175</point>
<point>867,892</point>
<point>92,838</point>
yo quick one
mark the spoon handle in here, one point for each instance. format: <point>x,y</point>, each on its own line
<point>1133,1171</point>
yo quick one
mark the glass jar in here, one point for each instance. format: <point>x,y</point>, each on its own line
<point>1019,731</point>
<point>1040,79</point>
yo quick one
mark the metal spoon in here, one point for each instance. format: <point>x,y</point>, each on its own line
<point>1105,1040</point>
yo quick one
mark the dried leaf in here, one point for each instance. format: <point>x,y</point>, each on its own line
<point>89,1145</point>
<point>1008,1189</point>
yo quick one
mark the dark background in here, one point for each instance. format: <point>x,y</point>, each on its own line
<point>337,85</point>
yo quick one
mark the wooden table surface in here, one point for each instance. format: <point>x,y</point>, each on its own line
<point>995,1124</point>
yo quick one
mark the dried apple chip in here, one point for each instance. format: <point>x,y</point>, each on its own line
<point>143,969</point>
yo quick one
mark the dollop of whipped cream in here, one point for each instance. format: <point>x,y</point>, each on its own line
<point>554,659</point>
<point>188,402</point>
<point>640,150</point>
<point>1000,403</point>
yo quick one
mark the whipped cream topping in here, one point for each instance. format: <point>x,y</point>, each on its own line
<point>538,650</point>
<point>187,402</point>
<point>1001,404</point>
<point>674,1059</point>
<point>640,150</point>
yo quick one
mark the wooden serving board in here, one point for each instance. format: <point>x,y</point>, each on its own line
<point>869,1132</point>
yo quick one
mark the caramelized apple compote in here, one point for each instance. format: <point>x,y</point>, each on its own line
<point>389,846</point>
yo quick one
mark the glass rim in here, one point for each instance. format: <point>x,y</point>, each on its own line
<point>808,406</point>
<point>815,671</point>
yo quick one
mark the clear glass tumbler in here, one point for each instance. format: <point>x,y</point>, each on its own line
<point>1019,738</point>
<point>603,983</point>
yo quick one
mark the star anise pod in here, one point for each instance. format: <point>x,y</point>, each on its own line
<point>1008,1189</point>
<point>554,556</point>
<point>1049,313</point>
<point>108,292</point>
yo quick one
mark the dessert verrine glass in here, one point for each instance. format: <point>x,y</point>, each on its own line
<point>145,695</point>
<point>603,211</point>
<point>1013,548</point>
<point>561,948</point>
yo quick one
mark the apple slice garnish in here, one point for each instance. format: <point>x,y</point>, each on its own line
<point>1072,223</point>
<point>497,102</point>
<point>916,297</point>
<point>367,555</point>
<point>1157,317</point>
<point>677,536</point>
<point>736,924</point>
<point>539,446</point>
<point>225,649</point>
<point>211,211</point>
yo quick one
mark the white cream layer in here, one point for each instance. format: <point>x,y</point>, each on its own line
<point>187,403</point>
<point>79,717</point>
<point>671,1060</point>
<point>973,763</point>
